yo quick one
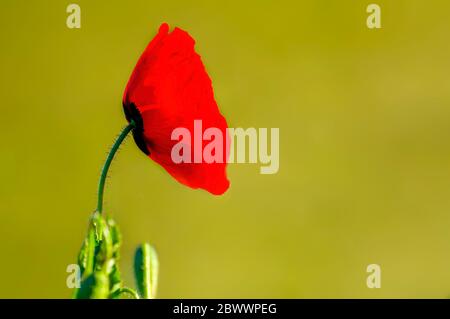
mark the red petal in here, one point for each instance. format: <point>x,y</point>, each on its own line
<point>170,88</point>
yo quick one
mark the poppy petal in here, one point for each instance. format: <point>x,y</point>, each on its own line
<point>169,89</point>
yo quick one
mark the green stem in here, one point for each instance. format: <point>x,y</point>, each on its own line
<point>125,290</point>
<point>104,174</point>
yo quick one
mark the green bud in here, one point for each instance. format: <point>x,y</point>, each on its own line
<point>146,267</point>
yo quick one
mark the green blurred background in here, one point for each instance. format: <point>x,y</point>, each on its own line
<point>364,118</point>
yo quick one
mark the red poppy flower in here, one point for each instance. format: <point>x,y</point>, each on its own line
<point>168,89</point>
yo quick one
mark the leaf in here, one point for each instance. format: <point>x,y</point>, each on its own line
<point>100,274</point>
<point>124,291</point>
<point>94,286</point>
<point>90,253</point>
<point>146,267</point>
<point>82,256</point>
<point>104,255</point>
<point>115,281</point>
<point>116,237</point>
<point>116,241</point>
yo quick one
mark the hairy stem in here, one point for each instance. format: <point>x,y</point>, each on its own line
<point>104,174</point>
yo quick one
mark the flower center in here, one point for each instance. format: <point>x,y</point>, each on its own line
<point>132,113</point>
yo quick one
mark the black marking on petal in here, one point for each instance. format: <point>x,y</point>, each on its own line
<point>132,113</point>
